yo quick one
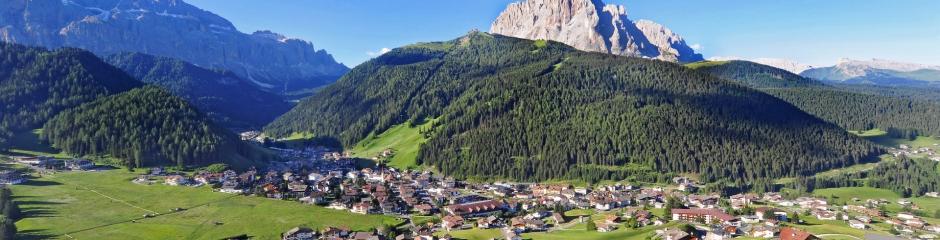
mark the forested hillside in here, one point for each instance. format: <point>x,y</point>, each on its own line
<point>906,112</point>
<point>36,84</point>
<point>536,110</point>
<point>223,96</point>
<point>146,127</point>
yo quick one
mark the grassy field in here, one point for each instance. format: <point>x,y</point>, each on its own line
<point>402,139</point>
<point>102,205</point>
<point>880,137</point>
<point>27,143</point>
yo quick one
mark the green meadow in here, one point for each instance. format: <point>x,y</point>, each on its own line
<point>107,205</point>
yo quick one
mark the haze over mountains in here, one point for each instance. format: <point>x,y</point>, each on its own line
<point>591,25</point>
<point>170,28</point>
<point>878,72</point>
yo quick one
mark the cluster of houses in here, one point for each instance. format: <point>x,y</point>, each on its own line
<point>905,150</point>
<point>51,163</point>
<point>331,179</point>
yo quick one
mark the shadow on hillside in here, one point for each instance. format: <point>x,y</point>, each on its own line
<point>40,183</point>
<point>33,234</point>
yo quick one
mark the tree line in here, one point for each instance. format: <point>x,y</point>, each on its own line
<point>36,84</point>
<point>147,126</point>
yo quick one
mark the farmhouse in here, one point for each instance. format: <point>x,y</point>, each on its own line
<point>856,224</point>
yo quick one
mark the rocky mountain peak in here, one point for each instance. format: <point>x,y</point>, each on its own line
<point>591,25</point>
<point>169,28</point>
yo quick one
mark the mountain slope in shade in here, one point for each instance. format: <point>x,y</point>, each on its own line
<point>590,25</point>
<point>512,108</point>
<point>170,28</point>
<point>146,126</point>
<point>36,84</point>
<point>854,107</point>
<point>223,96</point>
<point>878,72</point>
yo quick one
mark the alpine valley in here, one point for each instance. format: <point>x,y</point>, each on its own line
<point>567,119</point>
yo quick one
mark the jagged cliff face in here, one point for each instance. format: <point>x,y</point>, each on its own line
<point>590,25</point>
<point>170,28</point>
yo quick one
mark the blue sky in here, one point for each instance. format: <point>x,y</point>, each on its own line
<point>816,32</point>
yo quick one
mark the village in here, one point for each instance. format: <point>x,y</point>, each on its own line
<point>319,176</point>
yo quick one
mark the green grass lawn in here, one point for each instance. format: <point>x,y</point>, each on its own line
<point>76,204</point>
<point>402,139</point>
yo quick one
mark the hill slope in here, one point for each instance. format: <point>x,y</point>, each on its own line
<point>145,127</point>
<point>852,107</point>
<point>36,84</point>
<point>518,109</point>
<point>224,97</point>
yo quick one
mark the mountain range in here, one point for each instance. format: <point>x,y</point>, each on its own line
<point>169,28</point>
<point>592,25</point>
<point>878,72</point>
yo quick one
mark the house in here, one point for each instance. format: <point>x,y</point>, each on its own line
<point>606,227</point>
<point>558,218</point>
<point>364,236</point>
<point>424,209</point>
<point>362,208</point>
<point>708,215</point>
<point>475,209</point>
<point>176,180</point>
<point>231,187</point>
<point>487,222</point>
<point>10,177</point>
<point>524,225</point>
<point>906,216</point>
<point>297,186</point>
<point>299,233</point>
<point>335,233</point>
<point>824,215</point>
<point>789,233</point>
<point>673,234</point>
<point>856,224</point>
<point>452,222</point>
<point>933,194</point>
<point>904,202</point>
<point>79,165</point>
<point>760,231</point>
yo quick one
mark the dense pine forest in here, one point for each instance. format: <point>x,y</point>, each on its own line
<point>223,96</point>
<point>146,127</point>
<point>904,112</point>
<point>907,177</point>
<point>517,109</point>
<point>36,84</point>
